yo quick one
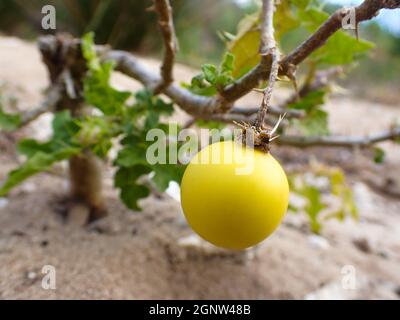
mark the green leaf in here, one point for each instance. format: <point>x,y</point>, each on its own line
<point>64,127</point>
<point>40,161</point>
<point>162,107</point>
<point>340,48</point>
<point>97,89</point>
<point>284,19</point>
<point>227,63</point>
<point>212,78</point>
<point>89,52</point>
<point>341,190</point>
<point>314,206</point>
<point>131,155</point>
<point>100,94</point>
<point>131,194</point>
<point>126,176</point>
<point>315,123</point>
<point>310,101</point>
<point>42,155</point>
<point>210,73</point>
<point>379,155</point>
<point>8,121</point>
<point>130,191</point>
<point>165,173</point>
<point>245,46</point>
<point>30,147</point>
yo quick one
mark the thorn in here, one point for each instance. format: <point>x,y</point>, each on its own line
<point>241,125</point>
<point>291,74</point>
<point>281,117</point>
<point>151,9</point>
<point>296,89</point>
<point>357,32</point>
<point>258,90</point>
<point>274,137</point>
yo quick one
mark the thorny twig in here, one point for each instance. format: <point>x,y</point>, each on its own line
<point>268,47</point>
<point>365,11</point>
<point>166,23</point>
<point>48,104</point>
<point>198,105</point>
<point>340,141</point>
<point>208,107</point>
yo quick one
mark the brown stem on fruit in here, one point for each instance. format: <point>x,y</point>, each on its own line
<point>268,47</point>
<point>258,135</point>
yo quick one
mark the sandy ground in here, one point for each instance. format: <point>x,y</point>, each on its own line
<point>153,254</point>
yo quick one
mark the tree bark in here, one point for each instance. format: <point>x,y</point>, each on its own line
<point>86,183</point>
<point>67,67</point>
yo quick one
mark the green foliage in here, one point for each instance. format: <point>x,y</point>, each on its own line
<point>316,207</point>
<point>126,180</point>
<point>97,90</point>
<point>245,45</point>
<point>118,119</point>
<point>379,155</point>
<point>125,118</point>
<point>315,121</point>
<point>129,123</point>
<point>290,16</point>
<point>40,156</point>
<point>8,121</point>
<point>341,48</point>
<point>213,78</point>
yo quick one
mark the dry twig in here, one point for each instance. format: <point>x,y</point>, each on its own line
<point>166,23</point>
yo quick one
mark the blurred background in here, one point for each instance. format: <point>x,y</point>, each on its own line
<point>123,24</point>
<point>153,254</point>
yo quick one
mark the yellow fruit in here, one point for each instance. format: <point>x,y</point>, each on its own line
<point>234,196</point>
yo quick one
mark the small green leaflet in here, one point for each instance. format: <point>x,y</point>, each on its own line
<point>97,89</point>
<point>379,155</point>
<point>165,173</point>
<point>341,190</point>
<point>125,179</point>
<point>8,121</point>
<point>212,78</point>
<point>315,205</point>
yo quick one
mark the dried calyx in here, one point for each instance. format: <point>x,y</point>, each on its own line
<point>259,137</point>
